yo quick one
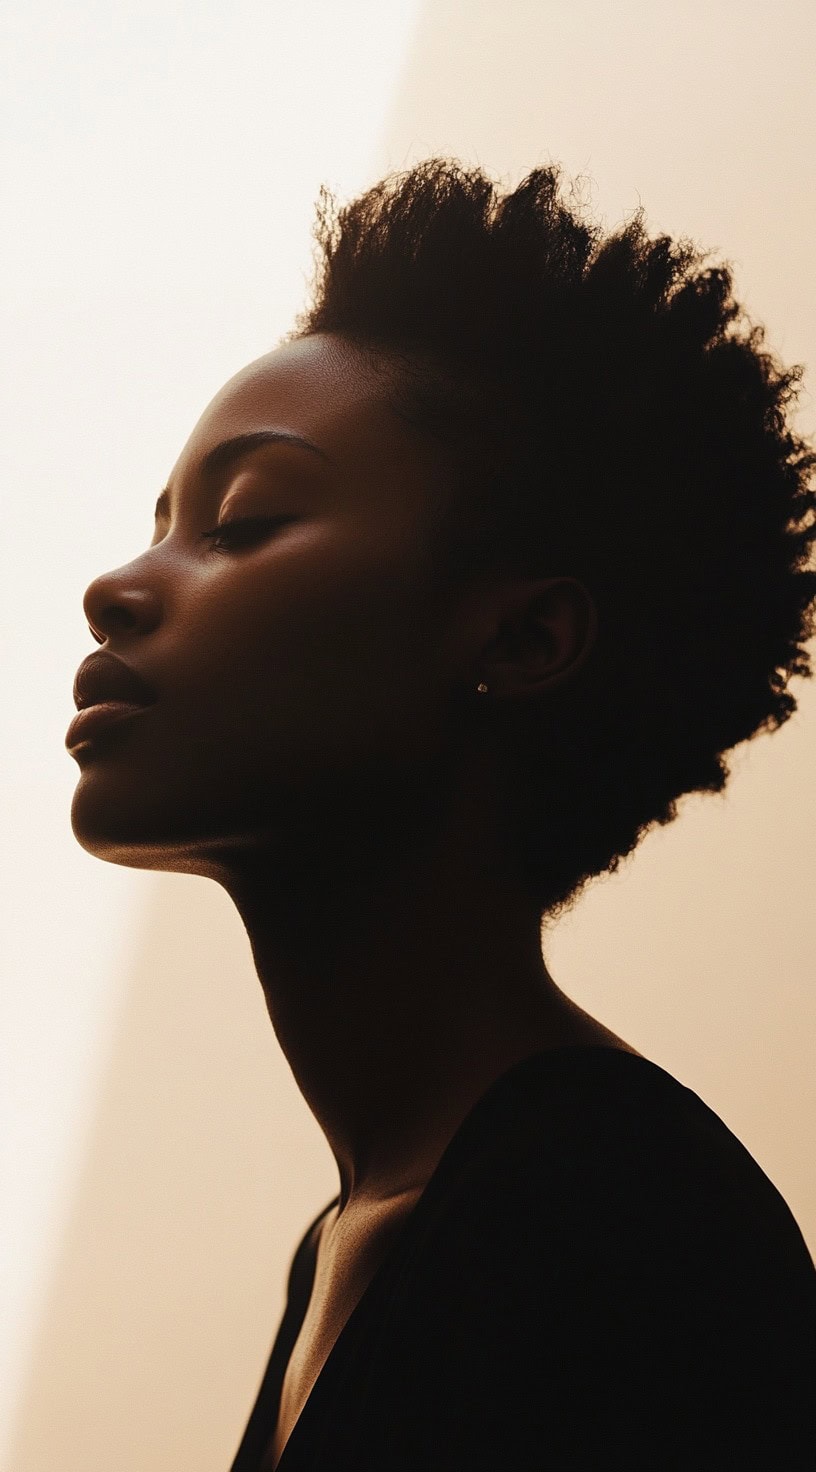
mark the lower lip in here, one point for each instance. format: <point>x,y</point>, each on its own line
<point>94,719</point>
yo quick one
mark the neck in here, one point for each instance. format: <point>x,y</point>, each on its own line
<point>401,979</point>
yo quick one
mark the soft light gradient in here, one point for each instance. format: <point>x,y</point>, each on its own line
<point>161,166</point>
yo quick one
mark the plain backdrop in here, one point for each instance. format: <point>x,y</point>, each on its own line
<point>160,168</point>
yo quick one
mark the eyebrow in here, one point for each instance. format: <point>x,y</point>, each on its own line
<point>229,452</point>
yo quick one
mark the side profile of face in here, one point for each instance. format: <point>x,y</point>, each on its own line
<point>304,658</point>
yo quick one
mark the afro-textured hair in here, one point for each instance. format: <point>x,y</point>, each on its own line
<point>616,419</point>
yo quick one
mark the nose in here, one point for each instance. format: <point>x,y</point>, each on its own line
<point>115,603</point>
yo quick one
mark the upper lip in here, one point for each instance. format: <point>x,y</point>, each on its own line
<point>106,677</point>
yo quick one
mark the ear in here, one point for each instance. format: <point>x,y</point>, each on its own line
<point>544,634</point>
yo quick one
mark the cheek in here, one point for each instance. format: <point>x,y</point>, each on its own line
<point>325,665</point>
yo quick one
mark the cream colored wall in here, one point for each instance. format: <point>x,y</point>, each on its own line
<point>187,1165</point>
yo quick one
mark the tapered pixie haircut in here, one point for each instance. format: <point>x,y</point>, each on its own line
<point>614,416</point>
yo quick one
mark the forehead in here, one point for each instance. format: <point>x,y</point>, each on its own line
<point>328,390</point>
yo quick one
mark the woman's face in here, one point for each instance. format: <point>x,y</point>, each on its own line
<point>297,661</point>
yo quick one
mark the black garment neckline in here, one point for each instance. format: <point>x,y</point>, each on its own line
<point>263,1417</point>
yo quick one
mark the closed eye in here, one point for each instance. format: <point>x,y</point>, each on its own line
<point>243,528</point>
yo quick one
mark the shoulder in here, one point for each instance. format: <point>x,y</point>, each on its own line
<point>603,1253</point>
<point>607,1165</point>
<point>590,1140</point>
<point>617,1132</point>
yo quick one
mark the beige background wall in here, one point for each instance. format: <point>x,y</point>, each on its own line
<point>165,1163</point>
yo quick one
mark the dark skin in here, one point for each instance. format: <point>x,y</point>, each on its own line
<point>318,748</point>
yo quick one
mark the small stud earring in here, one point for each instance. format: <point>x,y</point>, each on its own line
<point>481,686</point>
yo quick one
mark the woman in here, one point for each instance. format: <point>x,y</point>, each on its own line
<point>451,597</point>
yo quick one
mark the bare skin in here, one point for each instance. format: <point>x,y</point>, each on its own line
<point>319,749</point>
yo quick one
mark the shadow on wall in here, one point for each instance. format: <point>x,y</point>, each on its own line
<point>203,1167</point>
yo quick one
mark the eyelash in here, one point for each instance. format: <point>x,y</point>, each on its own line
<point>226,530</point>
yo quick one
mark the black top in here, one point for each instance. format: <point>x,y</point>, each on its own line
<point>597,1275</point>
